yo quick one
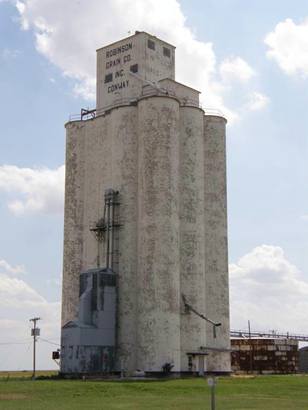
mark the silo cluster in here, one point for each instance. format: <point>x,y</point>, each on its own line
<point>166,160</point>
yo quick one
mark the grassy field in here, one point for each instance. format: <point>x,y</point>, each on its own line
<point>236,393</point>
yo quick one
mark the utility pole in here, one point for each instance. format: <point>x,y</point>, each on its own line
<point>35,331</point>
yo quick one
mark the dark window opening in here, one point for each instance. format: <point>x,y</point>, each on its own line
<point>167,52</point>
<point>108,78</point>
<point>151,44</point>
<point>134,68</point>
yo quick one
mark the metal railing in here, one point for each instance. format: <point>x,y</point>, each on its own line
<point>148,91</point>
<point>214,112</point>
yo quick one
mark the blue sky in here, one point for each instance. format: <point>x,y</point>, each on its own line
<point>247,59</point>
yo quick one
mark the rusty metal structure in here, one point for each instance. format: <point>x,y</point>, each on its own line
<point>264,355</point>
<point>303,359</point>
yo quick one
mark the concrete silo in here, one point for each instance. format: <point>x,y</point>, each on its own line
<point>145,220</point>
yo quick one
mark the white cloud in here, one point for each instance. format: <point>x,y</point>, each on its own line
<point>236,69</point>
<point>70,42</point>
<point>16,293</point>
<point>257,101</point>
<point>9,54</point>
<point>33,190</point>
<point>21,8</point>
<point>4,265</point>
<point>269,290</point>
<point>18,303</point>
<point>288,46</point>
<point>86,89</point>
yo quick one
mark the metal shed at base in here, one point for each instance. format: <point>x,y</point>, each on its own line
<point>88,343</point>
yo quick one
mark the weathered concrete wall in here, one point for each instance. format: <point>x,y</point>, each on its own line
<point>73,219</point>
<point>97,178</point>
<point>186,95</point>
<point>158,234</point>
<point>115,62</point>
<point>168,163</point>
<point>216,248</point>
<point>192,280</point>
<point>124,135</point>
<point>109,145</point>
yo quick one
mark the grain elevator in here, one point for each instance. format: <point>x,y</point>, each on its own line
<point>145,273</point>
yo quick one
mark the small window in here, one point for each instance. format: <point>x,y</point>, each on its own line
<point>151,44</point>
<point>108,78</point>
<point>167,52</point>
<point>134,68</point>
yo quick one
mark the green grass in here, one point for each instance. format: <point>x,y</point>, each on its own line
<point>25,374</point>
<point>262,392</point>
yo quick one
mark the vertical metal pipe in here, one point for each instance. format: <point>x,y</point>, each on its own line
<point>108,233</point>
<point>98,252</point>
<point>112,229</point>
